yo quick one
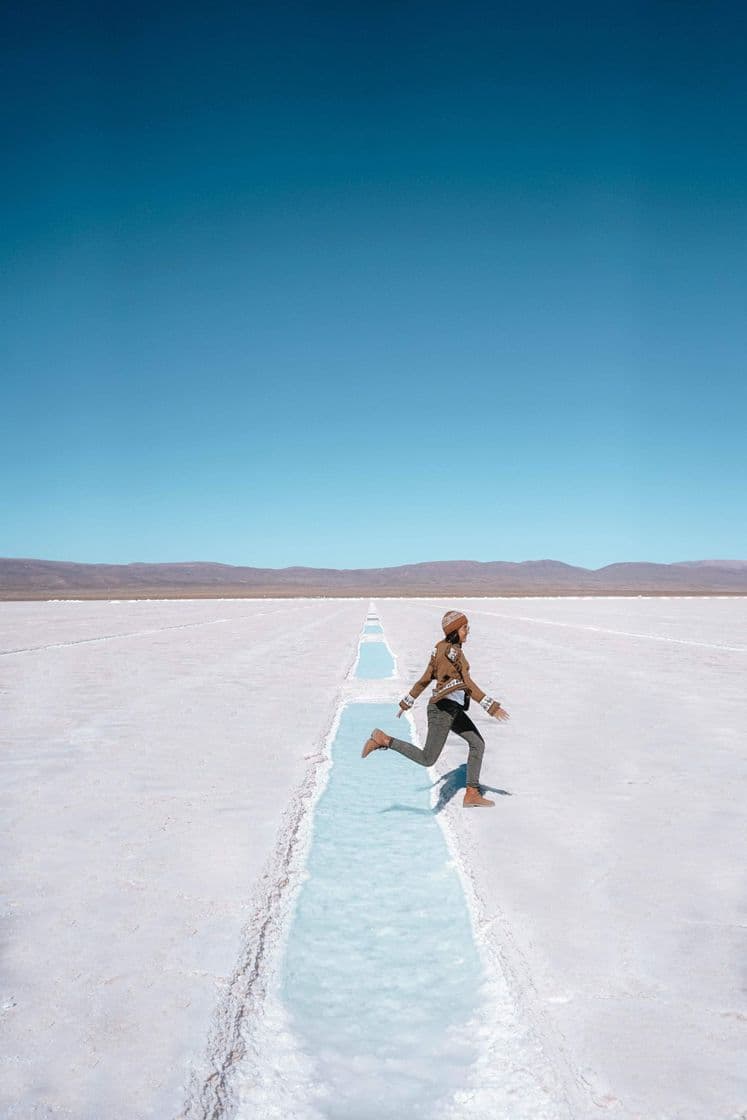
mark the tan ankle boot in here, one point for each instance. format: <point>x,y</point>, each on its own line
<point>378,741</point>
<point>473,799</point>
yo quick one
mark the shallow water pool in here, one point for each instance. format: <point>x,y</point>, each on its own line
<point>381,968</point>
<point>375,662</point>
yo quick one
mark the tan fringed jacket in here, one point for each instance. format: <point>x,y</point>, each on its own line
<point>449,668</point>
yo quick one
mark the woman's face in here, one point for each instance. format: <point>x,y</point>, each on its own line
<point>463,631</point>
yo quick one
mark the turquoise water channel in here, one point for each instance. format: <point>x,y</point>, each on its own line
<point>381,972</point>
<point>375,662</point>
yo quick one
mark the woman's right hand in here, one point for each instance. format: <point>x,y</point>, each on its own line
<point>497,712</point>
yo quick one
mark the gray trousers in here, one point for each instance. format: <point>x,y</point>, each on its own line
<point>443,717</point>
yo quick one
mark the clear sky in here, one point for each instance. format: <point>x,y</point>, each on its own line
<point>361,284</point>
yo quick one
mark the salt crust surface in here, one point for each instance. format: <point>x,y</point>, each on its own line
<point>612,878</point>
<point>145,777</point>
<point>149,751</point>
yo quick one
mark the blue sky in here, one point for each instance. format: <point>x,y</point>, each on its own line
<point>355,285</point>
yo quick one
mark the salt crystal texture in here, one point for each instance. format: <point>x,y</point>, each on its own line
<point>159,758</point>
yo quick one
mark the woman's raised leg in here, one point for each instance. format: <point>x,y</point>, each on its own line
<point>439,725</point>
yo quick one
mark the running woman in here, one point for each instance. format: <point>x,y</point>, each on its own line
<point>447,709</point>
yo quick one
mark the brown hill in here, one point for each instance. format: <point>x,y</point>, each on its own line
<point>42,579</point>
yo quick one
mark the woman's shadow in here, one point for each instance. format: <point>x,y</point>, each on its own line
<point>451,784</point>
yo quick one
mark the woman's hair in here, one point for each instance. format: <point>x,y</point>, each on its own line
<point>453,637</point>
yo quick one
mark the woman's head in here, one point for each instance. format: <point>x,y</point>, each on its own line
<point>455,626</point>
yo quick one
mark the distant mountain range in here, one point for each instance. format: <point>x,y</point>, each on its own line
<point>45,579</point>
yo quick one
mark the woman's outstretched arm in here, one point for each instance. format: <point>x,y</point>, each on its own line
<point>491,706</point>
